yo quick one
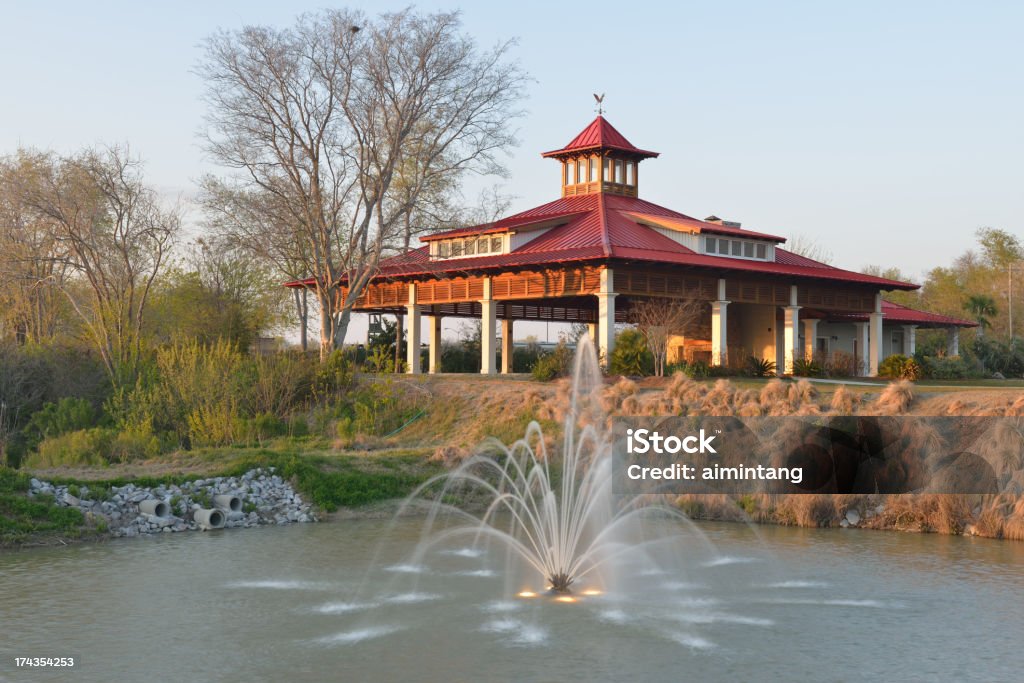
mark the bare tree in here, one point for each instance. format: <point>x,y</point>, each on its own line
<point>802,245</point>
<point>30,308</point>
<point>112,237</point>
<point>255,223</point>
<point>658,320</point>
<point>347,121</point>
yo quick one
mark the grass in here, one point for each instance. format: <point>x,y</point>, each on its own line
<point>328,480</point>
<point>23,519</point>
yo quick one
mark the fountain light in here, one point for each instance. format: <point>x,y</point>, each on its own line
<point>592,592</point>
<point>565,598</point>
<point>526,594</point>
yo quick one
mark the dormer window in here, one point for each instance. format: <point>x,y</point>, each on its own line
<point>739,248</point>
<point>473,245</point>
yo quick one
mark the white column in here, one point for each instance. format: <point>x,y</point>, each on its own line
<point>488,331</point>
<point>592,331</point>
<point>810,337</point>
<point>719,327</point>
<point>606,317</point>
<point>875,337</point>
<point>434,328</point>
<point>909,340</point>
<point>953,341</point>
<point>861,335</point>
<point>412,346</point>
<point>507,347</point>
<point>790,333</point>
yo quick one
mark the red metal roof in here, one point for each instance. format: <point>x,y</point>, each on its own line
<point>606,227</point>
<point>897,313</point>
<point>527,219</point>
<point>600,135</point>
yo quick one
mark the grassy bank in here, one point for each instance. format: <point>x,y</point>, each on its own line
<point>329,480</point>
<point>337,466</point>
<point>35,521</point>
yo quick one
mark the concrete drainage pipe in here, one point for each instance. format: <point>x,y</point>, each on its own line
<point>155,507</point>
<point>227,502</point>
<point>208,519</point>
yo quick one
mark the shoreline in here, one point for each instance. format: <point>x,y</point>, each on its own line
<point>899,517</point>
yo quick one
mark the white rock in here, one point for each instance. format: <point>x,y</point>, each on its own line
<point>853,517</point>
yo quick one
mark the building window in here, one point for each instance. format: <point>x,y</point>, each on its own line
<point>570,171</point>
<point>618,171</point>
<point>594,163</point>
<point>736,248</point>
<point>496,245</point>
<point>456,247</point>
<point>608,165</point>
<point>443,249</point>
<point>629,173</point>
<point>581,171</point>
<point>482,245</point>
<point>471,246</point>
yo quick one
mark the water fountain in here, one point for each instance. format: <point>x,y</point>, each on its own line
<point>555,514</point>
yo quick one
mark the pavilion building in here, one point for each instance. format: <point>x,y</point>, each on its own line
<point>590,255</point>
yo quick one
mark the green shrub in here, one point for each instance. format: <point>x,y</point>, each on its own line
<point>697,370</point>
<point>898,366</point>
<point>333,376</point>
<point>284,381</point>
<point>67,415</point>
<point>81,448</point>
<point>380,408</point>
<point>134,445</point>
<point>722,371</point>
<point>998,356</point>
<point>196,392</point>
<point>630,355</point>
<point>759,367</point>
<point>673,368</point>
<point>945,367</point>
<point>557,363</point>
<point>524,358</point>
<point>807,368</point>
<point>381,359</point>
<point>298,426</point>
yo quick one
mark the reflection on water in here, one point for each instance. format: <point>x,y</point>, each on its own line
<point>298,604</point>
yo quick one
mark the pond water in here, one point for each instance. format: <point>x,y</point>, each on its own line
<point>335,602</point>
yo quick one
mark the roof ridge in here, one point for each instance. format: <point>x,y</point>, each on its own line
<point>606,241</point>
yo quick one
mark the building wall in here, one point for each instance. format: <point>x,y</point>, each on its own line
<point>755,330</point>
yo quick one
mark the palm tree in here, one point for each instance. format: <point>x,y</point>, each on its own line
<point>982,307</point>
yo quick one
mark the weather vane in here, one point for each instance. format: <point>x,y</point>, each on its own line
<point>600,103</point>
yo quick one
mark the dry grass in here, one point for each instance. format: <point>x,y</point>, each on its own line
<point>479,402</point>
<point>806,511</point>
<point>895,399</point>
<point>844,401</point>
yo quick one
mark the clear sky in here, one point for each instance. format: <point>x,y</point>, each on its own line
<point>888,132</point>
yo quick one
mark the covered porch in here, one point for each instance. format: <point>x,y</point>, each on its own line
<point>742,317</point>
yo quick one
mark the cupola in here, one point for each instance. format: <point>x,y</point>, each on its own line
<point>600,159</point>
